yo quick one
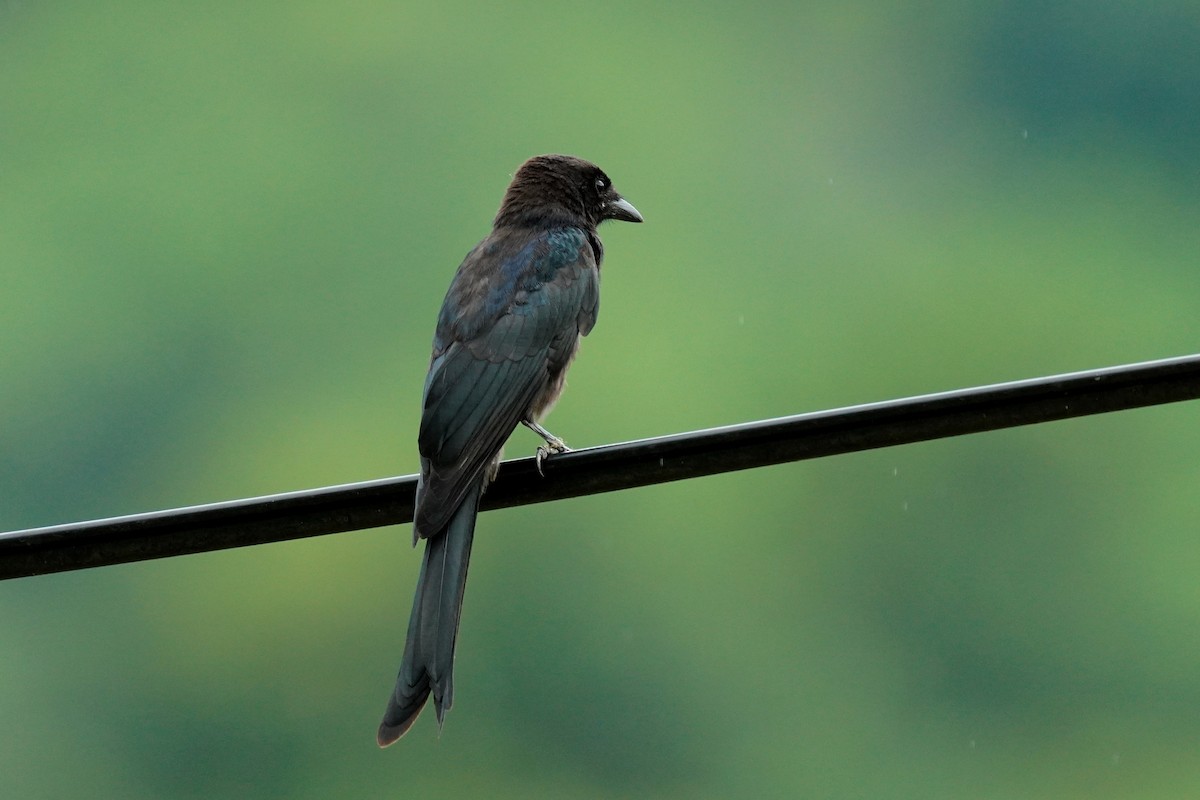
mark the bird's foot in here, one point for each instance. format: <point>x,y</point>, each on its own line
<point>553,446</point>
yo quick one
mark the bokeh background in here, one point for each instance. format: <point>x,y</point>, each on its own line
<point>227,228</point>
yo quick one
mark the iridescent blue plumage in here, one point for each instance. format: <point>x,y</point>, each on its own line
<point>507,331</point>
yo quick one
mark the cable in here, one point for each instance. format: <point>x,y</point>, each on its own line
<point>608,468</point>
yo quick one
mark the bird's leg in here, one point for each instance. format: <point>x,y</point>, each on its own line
<point>553,443</point>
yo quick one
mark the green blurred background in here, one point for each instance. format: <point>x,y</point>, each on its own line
<point>226,231</point>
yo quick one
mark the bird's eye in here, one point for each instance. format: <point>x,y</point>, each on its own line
<point>601,184</point>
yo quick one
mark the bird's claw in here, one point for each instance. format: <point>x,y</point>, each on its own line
<point>552,447</point>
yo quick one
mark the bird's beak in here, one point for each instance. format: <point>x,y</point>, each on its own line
<point>621,209</point>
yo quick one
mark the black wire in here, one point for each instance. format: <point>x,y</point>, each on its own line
<point>389,501</point>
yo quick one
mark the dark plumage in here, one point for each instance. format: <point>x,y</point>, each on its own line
<point>507,331</point>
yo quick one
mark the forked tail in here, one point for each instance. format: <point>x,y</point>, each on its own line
<point>428,662</point>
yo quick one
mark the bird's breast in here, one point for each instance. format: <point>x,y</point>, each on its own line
<point>556,376</point>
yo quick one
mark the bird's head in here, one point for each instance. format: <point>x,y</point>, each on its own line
<point>550,187</point>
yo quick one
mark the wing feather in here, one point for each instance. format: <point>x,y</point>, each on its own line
<point>485,373</point>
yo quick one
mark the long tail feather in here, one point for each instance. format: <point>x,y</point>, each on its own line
<point>428,661</point>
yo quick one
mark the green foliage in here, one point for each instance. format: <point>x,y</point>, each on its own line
<point>227,231</point>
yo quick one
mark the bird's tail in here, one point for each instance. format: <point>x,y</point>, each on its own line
<point>429,652</point>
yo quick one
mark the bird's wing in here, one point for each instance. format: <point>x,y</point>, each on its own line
<point>499,326</point>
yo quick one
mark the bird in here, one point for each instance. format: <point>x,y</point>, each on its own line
<point>507,331</point>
